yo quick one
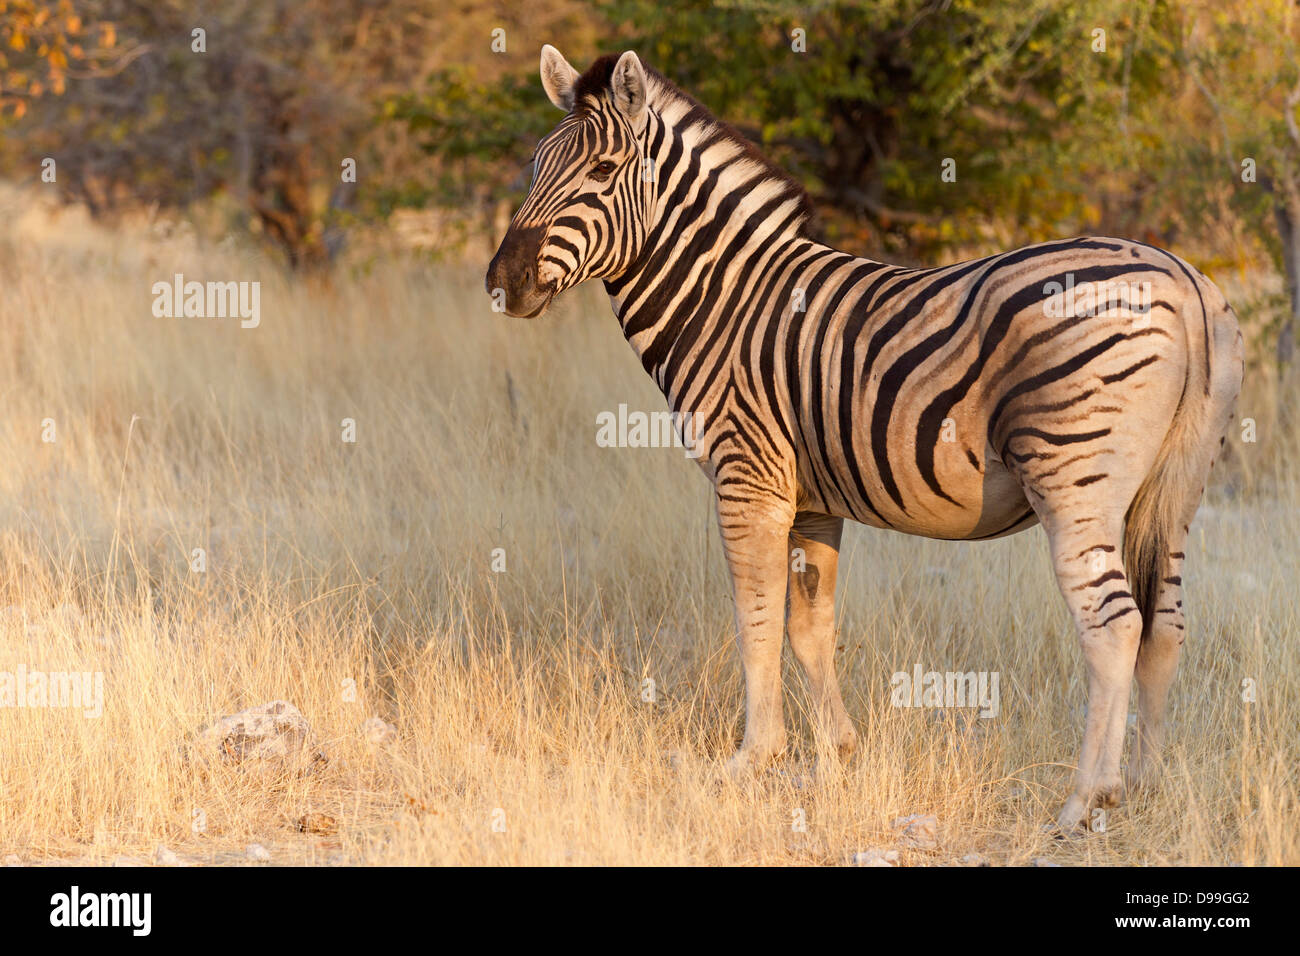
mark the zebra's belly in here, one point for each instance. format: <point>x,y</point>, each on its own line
<point>978,498</point>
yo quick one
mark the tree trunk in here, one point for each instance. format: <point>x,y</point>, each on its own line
<point>282,201</point>
<point>1287,212</point>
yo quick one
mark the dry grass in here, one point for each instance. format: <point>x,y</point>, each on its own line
<point>517,695</point>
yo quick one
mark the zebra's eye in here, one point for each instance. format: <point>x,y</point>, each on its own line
<point>603,168</point>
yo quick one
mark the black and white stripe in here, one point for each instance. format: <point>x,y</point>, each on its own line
<point>948,402</point>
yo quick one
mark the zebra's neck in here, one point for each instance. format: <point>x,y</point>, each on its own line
<point>718,215</point>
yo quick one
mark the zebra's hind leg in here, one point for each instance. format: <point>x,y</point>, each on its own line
<point>814,556</point>
<point>1158,656</point>
<point>1157,662</point>
<point>755,538</point>
<point>1086,555</point>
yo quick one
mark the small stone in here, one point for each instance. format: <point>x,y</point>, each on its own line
<point>258,853</point>
<point>876,857</point>
<point>124,861</point>
<point>1042,861</point>
<point>975,859</point>
<point>378,731</point>
<point>165,857</point>
<point>919,830</point>
<point>12,860</point>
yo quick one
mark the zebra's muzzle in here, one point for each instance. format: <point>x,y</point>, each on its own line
<point>512,274</point>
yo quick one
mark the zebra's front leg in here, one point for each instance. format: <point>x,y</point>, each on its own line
<point>755,538</point>
<point>814,557</point>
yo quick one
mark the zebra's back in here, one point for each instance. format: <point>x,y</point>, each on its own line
<point>944,402</point>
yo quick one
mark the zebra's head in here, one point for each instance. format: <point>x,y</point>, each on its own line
<point>585,214</point>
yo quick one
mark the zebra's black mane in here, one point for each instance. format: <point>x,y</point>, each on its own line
<point>595,82</point>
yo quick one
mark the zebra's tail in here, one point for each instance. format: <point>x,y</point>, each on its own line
<point>1168,496</point>
<point>1153,515</point>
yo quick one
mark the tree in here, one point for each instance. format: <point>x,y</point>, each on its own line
<point>261,100</point>
<point>1242,62</point>
<point>40,41</point>
<point>864,102</point>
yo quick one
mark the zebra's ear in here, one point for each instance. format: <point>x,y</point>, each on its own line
<point>558,78</point>
<point>629,87</point>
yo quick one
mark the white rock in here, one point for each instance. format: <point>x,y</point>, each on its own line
<point>876,857</point>
<point>258,853</point>
<point>379,731</point>
<point>274,734</point>
<point>12,860</point>
<point>920,830</point>
<point>1042,861</point>
<point>975,859</point>
<point>165,857</point>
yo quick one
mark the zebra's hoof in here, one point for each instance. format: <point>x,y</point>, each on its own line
<point>745,762</point>
<point>1070,822</point>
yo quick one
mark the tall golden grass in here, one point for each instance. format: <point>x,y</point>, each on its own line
<point>522,733</point>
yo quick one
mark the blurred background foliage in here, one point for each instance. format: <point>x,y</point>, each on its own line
<point>1170,121</point>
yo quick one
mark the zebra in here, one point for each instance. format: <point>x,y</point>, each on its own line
<point>965,402</point>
